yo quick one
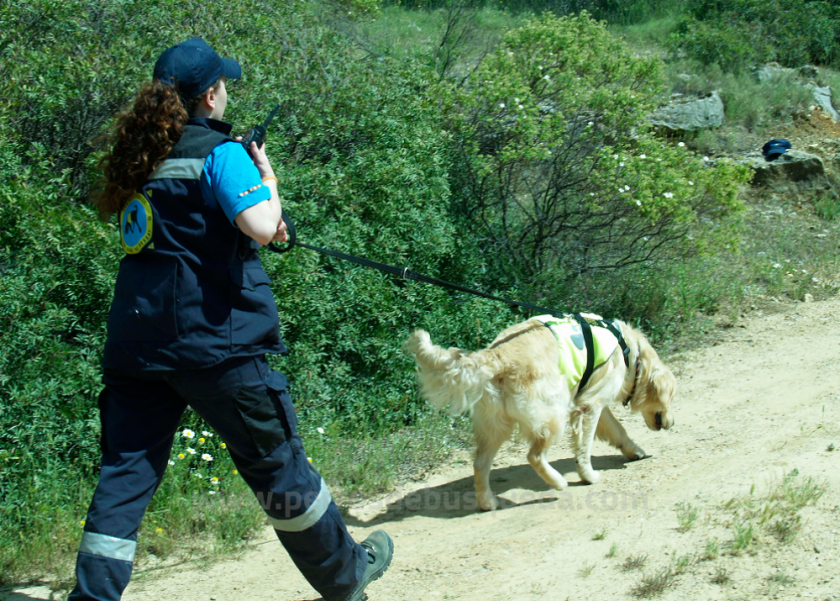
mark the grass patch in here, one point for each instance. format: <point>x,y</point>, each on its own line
<point>711,550</point>
<point>682,563</point>
<point>613,550</point>
<point>634,562</point>
<point>373,462</point>
<point>721,577</point>
<point>753,105</point>
<point>653,585</point>
<point>600,535</point>
<point>775,514</point>
<point>780,579</point>
<point>827,205</point>
<point>586,570</point>
<point>686,516</point>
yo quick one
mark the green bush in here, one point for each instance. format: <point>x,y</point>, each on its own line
<point>742,33</point>
<point>363,162</point>
<point>559,174</point>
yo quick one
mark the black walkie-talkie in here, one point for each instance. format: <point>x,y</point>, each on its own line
<point>257,133</point>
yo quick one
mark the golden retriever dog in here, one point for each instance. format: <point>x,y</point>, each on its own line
<point>517,380</point>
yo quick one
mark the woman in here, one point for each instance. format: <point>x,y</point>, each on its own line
<point>192,319</point>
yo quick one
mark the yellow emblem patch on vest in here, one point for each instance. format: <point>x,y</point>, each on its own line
<point>136,224</point>
<point>569,336</point>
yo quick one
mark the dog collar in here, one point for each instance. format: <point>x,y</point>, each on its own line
<point>636,378</point>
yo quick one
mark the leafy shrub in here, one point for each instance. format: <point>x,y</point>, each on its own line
<point>738,34</point>
<point>559,176</point>
<point>621,12</point>
<point>363,162</point>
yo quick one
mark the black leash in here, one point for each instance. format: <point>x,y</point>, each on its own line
<point>407,274</point>
<point>402,272</point>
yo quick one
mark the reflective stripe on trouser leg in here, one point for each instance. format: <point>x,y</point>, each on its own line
<point>103,545</point>
<point>103,568</point>
<point>317,508</point>
<point>327,556</point>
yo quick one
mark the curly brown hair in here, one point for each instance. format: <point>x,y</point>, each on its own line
<point>144,135</point>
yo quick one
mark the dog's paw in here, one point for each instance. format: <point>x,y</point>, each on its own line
<point>633,453</point>
<point>488,502</point>
<point>559,483</point>
<point>590,476</point>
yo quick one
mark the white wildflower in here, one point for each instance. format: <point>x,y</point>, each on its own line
<point>639,202</point>
<point>207,458</point>
<point>320,430</point>
<point>642,156</point>
<point>191,451</point>
<point>681,144</point>
<point>690,183</point>
<point>188,434</point>
<point>501,105</point>
<point>776,265</point>
<point>627,188</point>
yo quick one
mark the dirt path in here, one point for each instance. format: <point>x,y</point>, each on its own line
<point>749,410</point>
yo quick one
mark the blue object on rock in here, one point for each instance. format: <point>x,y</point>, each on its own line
<point>775,147</point>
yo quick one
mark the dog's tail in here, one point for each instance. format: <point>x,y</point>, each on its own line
<point>450,378</point>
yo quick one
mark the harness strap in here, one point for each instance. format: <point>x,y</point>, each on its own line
<point>616,331</point>
<point>590,350</point>
<point>636,378</point>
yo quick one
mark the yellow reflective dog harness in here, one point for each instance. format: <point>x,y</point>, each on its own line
<point>585,341</point>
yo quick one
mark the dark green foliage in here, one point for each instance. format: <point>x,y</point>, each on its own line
<point>364,168</point>
<point>561,177</point>
<point>622,12</point>
<point>742,33</point>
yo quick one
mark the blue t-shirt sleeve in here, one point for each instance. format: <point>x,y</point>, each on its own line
<point>230,180</point>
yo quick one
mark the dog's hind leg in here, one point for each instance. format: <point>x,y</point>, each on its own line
<point>537,457</point>
<point>584,421</point>
<point>489,443</point>
<point>610,430</point>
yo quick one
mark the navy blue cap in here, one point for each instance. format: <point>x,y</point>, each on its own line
<point>194,66</point>
<point>774,148</point>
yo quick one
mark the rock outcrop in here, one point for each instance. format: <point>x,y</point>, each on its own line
<point>683,115</point>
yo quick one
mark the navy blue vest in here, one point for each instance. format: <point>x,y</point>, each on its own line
<point>191,291</point>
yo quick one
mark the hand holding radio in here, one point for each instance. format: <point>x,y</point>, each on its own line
<point>258,133</point>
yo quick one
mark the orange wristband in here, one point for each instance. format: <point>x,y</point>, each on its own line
<point>265,179</point>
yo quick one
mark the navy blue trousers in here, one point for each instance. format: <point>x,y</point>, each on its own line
<point>249,406</point>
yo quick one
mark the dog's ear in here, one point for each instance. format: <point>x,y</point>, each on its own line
<point>663,382</point>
